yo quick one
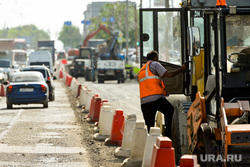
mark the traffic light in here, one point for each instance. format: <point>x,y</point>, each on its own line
<point>137,43</point>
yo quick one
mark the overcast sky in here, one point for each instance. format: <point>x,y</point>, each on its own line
<point>47,14</point>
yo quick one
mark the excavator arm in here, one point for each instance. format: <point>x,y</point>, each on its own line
<point>91,34</point>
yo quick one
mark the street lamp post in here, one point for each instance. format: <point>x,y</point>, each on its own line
<point>126,30</point>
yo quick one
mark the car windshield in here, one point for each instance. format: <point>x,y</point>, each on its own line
<point>39,70</point>
<point>4,64</point>
<point>26,78</point>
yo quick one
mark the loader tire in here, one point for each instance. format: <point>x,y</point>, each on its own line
<point>175,136</point>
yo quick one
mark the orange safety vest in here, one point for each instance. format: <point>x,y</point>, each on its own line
<point>149,83</point>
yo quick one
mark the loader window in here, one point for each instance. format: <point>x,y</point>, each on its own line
<point>148,29</point>
<point>238,43</point>
<point>85,54</point>
<point>169,37</point>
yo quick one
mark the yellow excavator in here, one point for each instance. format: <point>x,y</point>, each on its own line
<point>211,100</point>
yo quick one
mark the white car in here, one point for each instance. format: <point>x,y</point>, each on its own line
<point>3,76</point>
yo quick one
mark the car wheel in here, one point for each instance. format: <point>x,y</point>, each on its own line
<point>51,97</point>
<point>45,105</point>
<point>9,105</point>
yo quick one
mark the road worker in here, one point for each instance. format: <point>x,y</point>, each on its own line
<point>152,91</point>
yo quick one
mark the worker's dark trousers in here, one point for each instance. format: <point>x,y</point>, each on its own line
<point>149,111</point>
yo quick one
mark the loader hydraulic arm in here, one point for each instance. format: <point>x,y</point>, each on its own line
<point>90,35</point>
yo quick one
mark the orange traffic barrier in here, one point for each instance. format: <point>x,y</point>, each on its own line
<point>61,73</point>
<point>95,112</point>
<point>2,92</point>
<point>79,89</point>
<point>91,105</point>
<point>117,129</point>
<point>189,161</point>
<point>64,61</point>
<point>163,153</point>
<point>68,80</point>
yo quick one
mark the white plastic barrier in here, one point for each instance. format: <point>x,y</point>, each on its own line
<point>73,82</point>
<point>137,147</point>
<point>104,103</point>
<point>105,124</point>
<point>88,101</point>
<point>124,150</point>
<point>83,95</point>
<point>151,140</point>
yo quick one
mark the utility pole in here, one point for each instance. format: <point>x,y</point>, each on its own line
<point>126,30</point>
<point>136,47</point>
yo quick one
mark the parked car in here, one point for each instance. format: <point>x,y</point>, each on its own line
<point>46,75</point>
<point>41,58</point>
<point>3,76</point>
<point>27,88</point>
<point>6,65</point>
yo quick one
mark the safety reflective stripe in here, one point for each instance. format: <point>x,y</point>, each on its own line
<point>148,77</point>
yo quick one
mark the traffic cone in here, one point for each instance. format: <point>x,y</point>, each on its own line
<point>2,92</point>
<point>117,129</point>
<point>162,149</point>
<point>189,161</point>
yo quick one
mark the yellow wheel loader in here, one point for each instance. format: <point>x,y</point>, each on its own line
<point>211,100</point>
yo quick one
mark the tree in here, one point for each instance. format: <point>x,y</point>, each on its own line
<point>70,36</point>
<point>118,11</point>
<point>30,32</point>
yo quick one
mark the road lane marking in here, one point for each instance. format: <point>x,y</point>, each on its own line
<point>12,122</point>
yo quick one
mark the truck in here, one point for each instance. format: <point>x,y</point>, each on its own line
<point>84,64</point>
<point>110,66</point>
<point>10,44</point>
<point>211,100</point>
<point>47,45</point>
<point>6,44</point>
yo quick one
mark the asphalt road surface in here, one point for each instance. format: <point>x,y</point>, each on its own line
<point>123,96</point>
<point>31,135</point>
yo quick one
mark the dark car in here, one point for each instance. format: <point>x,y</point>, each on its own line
<point>61,55</point>
<point>47,76</point>
<point>77,68</point>
<point>27,88</point>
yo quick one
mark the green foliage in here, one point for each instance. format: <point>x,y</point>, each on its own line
<point>30,32</point>
<point>70,36</point>
<point>118,11</point>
